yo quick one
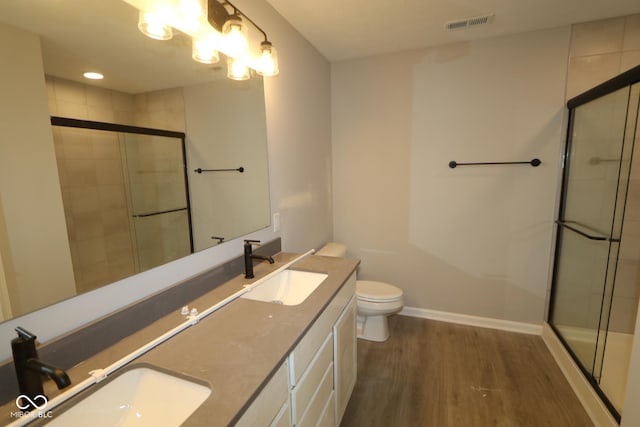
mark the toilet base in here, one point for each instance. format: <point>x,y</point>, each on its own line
<point>373,328</point>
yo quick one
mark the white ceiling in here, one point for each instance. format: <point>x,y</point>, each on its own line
<point>101,35</point>
<point>345,29</point>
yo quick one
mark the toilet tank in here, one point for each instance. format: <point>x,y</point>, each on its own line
<point>333,249</point>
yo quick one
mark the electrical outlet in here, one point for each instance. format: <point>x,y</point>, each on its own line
<point>276,222</point>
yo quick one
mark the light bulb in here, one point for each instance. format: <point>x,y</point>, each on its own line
<point>153,26</point>
<point>204,51</point>
<point>237,70</point>
<point>268,61</point>
<point>235,36</point>
<point>188,17</point>
<point>93,75</point>
<point>192,8</point>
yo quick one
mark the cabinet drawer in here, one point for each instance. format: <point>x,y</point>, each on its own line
<point>311,342</point>
<point>282,419</point>
<point>303,391</point>
<point>327,418</point>
<point>319,400</point>
<point>267,405</point>
<point>345,357</point>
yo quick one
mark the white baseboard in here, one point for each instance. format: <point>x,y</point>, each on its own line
<point>465,319</point>
<point>590,400</point>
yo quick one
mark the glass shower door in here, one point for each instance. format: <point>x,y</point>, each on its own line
<point>157,189</point>
<point>590,226</point>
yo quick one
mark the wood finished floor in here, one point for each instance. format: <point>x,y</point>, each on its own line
<point>437,374</point>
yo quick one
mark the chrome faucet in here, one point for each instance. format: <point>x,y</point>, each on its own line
<point>29,369</point>
<point>249,256</point>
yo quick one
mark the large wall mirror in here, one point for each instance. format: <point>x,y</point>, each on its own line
<point>64,227</point>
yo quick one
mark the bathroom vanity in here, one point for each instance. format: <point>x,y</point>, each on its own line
<point>314,383</point>
<point>265,363</point>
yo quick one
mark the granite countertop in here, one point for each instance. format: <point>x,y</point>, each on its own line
<point>235,350</point>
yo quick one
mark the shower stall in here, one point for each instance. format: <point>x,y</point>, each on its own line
<point>126,198</point>
<point>596,281</point>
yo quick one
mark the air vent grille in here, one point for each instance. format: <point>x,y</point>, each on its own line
<point>469,22</point>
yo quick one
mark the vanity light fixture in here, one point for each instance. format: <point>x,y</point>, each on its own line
<point>204,51</point>
<point>268,60</point>
<point>93,75</point>
<point>215,26</point>
<point>154,26</point>
<point>235,35</point>
<point>237,69</point>
<point>192,12</point>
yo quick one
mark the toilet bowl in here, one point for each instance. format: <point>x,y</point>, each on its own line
<point>375,300</point>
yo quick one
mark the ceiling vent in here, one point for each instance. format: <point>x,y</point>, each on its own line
<point>469,22</point>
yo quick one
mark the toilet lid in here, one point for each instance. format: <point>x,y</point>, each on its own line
<point>377,291</point>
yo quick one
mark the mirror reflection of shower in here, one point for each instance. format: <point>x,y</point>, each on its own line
<point>125,200</point>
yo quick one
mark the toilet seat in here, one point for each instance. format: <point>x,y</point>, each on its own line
<point>369,290</point>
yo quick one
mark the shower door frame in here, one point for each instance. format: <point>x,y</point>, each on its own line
<point>112,127</point>
<point>621,81</point>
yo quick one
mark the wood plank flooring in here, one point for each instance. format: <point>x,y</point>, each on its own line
<point>437,374</point>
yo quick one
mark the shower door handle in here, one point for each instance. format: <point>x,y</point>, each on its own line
<point>583,234</point>
<point>158,213</point>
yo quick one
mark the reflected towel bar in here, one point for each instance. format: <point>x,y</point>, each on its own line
<point>533,162</point>
<point>200,170</point>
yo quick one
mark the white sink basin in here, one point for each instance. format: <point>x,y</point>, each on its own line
<point>139,397</point>
<point>289,287</point>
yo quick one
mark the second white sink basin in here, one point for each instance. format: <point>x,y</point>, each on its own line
<point>289,287</point>
<point>138,397</point>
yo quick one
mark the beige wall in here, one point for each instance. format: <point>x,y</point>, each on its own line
<point>476,239</point>
<point>227,129</point>
<point>298,105</point>
<point>5,305</point>
<point>32,220</point>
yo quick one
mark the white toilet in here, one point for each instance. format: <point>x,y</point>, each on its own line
<point>375,300</point>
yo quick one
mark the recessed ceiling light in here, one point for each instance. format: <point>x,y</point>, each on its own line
<point>93,76</point>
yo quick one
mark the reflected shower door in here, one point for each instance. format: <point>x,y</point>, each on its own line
<point>596,179</point>
<point>157,189</point>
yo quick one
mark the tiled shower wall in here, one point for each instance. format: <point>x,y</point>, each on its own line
<point>160,110</point>
<point>601,50</point>
<point>91,175</point>
<point>95,205</point>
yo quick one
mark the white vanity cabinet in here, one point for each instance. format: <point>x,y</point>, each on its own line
<point>345,358</point>
<point>314,384</point>
<point>271,407</point>
<point>322,367</point>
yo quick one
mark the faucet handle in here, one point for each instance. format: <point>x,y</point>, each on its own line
<point>252,242</point>
<point>24,334</point>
